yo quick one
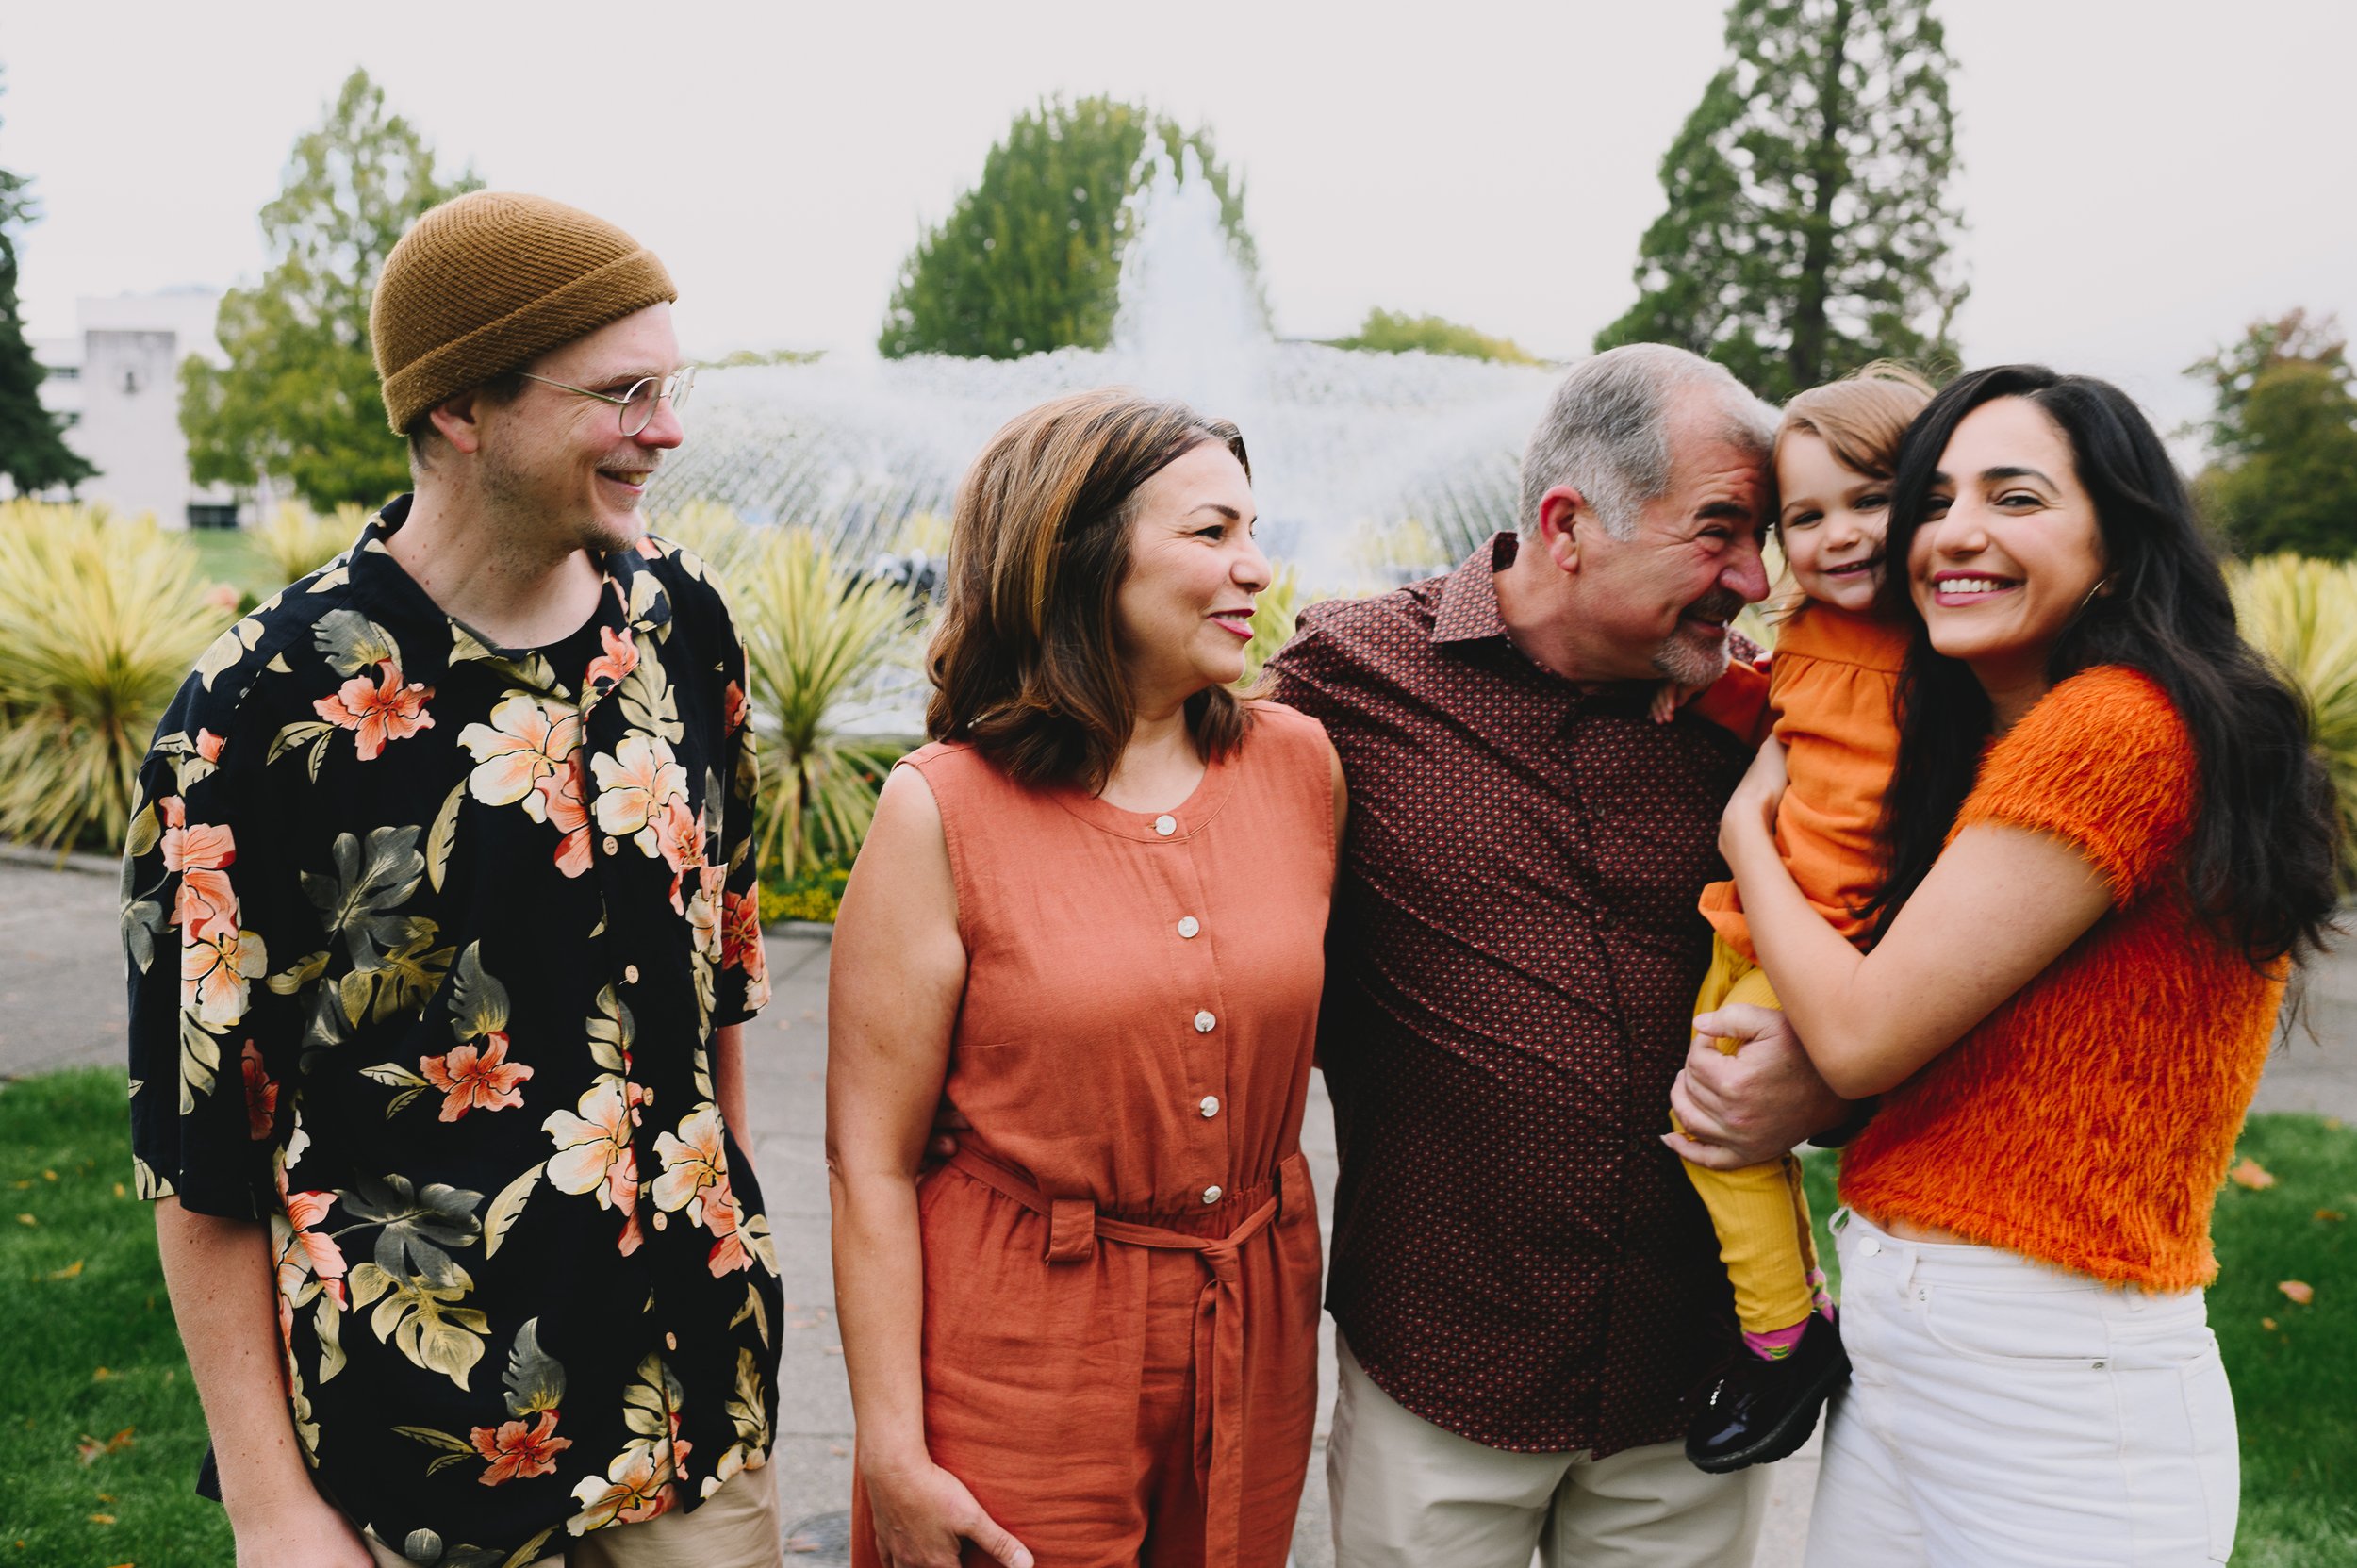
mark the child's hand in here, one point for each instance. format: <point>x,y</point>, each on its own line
<point>1669,696</point>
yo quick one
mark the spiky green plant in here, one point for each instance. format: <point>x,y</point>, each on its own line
<point>827,652</point>
<point>714,531</point>
<point>297,541</point>
<point>2302,613</point>
<point>100,619</point>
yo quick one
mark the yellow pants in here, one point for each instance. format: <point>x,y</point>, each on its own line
<point>1760,1211</point>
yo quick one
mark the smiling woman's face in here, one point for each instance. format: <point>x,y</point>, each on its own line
<point>2010,547</point>
<point>1183,615</point>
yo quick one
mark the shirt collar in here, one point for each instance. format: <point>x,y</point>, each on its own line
<point>1469,601</point>
<point>635,604</point>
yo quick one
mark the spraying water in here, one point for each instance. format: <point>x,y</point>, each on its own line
<point>1351,451</point>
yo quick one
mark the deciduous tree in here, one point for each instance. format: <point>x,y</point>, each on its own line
<point>1028,259</point>
<point>2283,440</point>
<point>1807,229</point>
<point>298,397</point>
<point>1397,332</point>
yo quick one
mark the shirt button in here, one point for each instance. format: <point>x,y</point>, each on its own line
<point>1189,926</point>
<point>1203,1023</point>
<point>613,845</point>
<point>1211,1195</point>
<point>1211,1105</point>
<point>1165,824</point>
<point>629,974</point>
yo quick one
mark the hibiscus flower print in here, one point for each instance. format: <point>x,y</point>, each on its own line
<point>517,1452</point>
<point>565,808</point>
<point>696,1159</point>
<point>636,786</point>
<point>740,712</point>
<point>216,968</point>
<point>637,1487</point>
<point>740,944</point>
<point>261,1095</point>
<point>475,1078</point>
<point>209,745</point>
<point>619,659</point>
<point>528,740</point>
<point>703,910</point>
<point>380,713</point>
<point>594,1152</point>
<point>308,1253</point>
<point>201,853</point>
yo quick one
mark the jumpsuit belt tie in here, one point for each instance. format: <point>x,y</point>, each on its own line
<point>1074,1226</point>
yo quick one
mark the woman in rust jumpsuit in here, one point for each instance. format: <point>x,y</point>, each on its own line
<point>1092,912</point>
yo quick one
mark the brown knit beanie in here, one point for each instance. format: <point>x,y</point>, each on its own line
<point>488,283</point>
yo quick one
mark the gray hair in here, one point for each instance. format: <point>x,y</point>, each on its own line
<point>1606,430</point>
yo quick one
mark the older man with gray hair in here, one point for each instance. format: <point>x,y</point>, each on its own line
<point>1526,1287</point>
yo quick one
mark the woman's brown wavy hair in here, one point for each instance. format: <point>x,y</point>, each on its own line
<point>1026,666</point>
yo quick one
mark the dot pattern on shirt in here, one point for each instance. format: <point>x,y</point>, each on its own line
<point>1516,1256</point>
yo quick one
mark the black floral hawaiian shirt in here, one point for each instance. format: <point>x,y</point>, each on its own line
<point>428,942</point>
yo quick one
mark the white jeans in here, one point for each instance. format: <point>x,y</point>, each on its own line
<point>1407,1494</point>
<point>2004,1414</point>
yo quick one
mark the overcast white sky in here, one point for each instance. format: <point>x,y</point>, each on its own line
<point>2140,177</point>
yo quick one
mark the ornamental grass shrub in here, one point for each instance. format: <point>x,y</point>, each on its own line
<point>832,658</point>
<point>2302,613</point>
<point>100,619</point>
<point>297,541</point>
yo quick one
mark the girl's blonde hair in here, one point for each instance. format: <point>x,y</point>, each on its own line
<point>1861,418</point>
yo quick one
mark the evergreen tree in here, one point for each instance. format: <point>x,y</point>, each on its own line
<point>33,452</point>
<point>1807,231</point>
<point>1029,258</point>
<point>298,398</point>
<point>2284,437</point>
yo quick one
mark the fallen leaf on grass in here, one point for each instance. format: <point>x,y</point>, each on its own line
<point>48,1176</point>
<point>2331,1216</point>
<point>102,1518</point>
<point>2298,1290</point>
<point>26,1219</point>
<point>70,1271</point>
<point>2249,1173</point>
<point>91,1450</point>
<point>99,1374</point>
<point>2268,1324</point>
<point>106,1496</point>
<point>119,1192</point>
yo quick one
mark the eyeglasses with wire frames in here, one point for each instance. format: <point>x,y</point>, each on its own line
<point>637,405</point>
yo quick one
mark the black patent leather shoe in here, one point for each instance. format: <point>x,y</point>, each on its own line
<point>1762,1410</point>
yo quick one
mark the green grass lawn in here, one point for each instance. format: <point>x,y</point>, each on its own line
<point>227,555</point>
<point>100,1443</point>
<point>2294,1367</point>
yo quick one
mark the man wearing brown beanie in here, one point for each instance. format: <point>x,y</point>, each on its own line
<point>442,927</point>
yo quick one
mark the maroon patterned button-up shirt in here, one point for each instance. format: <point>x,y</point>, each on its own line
<point>1513,963</point>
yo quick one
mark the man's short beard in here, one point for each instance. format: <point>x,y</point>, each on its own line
<point>1688,663</point>
<point>1680,661</point>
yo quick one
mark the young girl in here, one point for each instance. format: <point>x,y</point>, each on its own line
<point>1831,686</point>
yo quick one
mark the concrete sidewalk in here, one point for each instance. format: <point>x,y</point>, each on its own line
<point>62,1004</point>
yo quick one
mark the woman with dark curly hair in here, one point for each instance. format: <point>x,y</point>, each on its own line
<point>2107,839</point>
<point>1094,911</point>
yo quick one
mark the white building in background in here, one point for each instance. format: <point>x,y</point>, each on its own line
<point>116,386</point>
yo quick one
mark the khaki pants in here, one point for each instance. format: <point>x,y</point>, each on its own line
<point>736,1528</point>
<point>1409,1494</point>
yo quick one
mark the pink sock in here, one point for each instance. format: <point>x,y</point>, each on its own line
<point>1775,1343</point>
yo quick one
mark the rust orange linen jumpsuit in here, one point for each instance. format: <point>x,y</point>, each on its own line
<point>1121,1266</point>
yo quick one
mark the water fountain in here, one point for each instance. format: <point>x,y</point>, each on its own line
<point>1346,446</point>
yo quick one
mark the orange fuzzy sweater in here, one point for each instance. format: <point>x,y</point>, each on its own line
<point>2088,1121</point>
